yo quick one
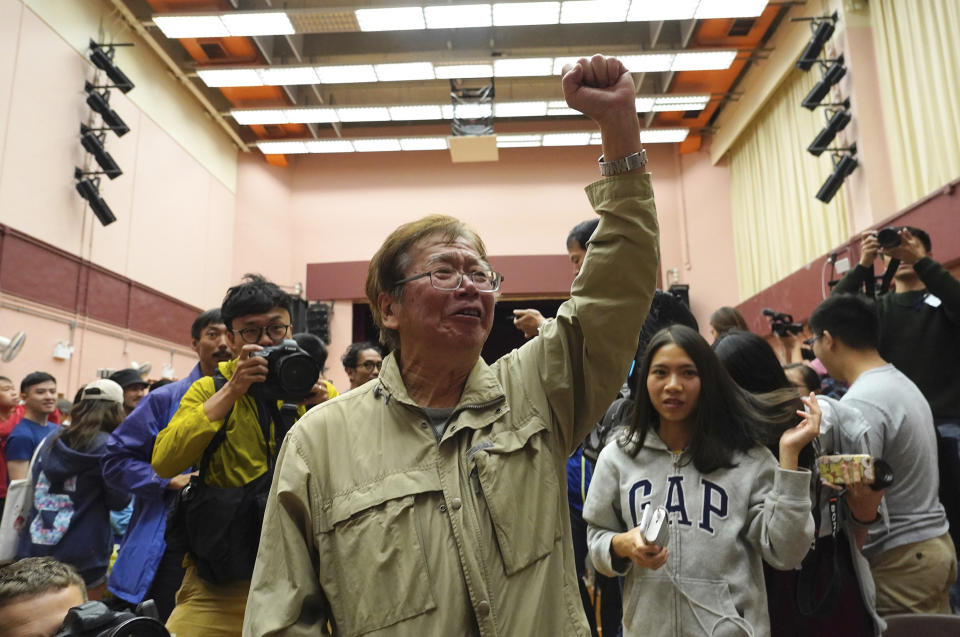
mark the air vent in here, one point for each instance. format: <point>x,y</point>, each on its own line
<point>213,50</point>
<point>741,27</point>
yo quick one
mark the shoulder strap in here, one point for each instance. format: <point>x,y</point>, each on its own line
<point>219,380</point>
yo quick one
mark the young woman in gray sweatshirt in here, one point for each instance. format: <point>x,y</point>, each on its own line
<point>696,447</point>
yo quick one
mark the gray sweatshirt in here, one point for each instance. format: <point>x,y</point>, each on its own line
<point>722,526</point>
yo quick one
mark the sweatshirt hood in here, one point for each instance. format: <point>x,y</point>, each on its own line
<point>61,462</point>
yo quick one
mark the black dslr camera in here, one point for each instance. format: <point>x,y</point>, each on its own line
<point>95,619</point>
<point>782,324</point>
<point>292,372</point>
<point>889,237</point>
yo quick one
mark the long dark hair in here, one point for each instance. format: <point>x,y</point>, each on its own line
<point>728,419</point>
<point>87,419</point>
<point>751,361</point>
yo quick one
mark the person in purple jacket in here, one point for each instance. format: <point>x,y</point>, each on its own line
<point>146,568</point>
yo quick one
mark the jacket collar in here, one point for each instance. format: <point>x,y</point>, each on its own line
<point>482,385</point>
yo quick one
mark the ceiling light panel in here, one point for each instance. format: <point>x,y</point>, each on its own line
<point>648,63</point>
<point>703,60</point>
<point>461,16</point>
<point>392,19</point>
<point>208,26</point>
<point>230,77</point>
<point>330,146</point>
<point>282,148</point>
<point>364,114</point>
<point>289,75</point>
<point>560,108</point>
<point>463,71</point>
<point>566,139</point>
<point>663,135</point>
<point>730,9</point>
<point>644,104</point>
<point>415,113</point>
<point>349,74</point>
<point>323,115</point>
<point>258,23</point>
<point>376,145</point>
<point>471,111</point>
<point>652,10</point>
<point>520,109</point>
<point>590,11</point>
<point>404,72</point>
<point>510,14</point>
<point>523,67</point>
<point>251,117</point>
<point>423,143</point>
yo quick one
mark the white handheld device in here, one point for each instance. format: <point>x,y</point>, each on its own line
<point>655,526</point>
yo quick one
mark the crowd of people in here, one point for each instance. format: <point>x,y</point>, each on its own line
<point>442,495</point>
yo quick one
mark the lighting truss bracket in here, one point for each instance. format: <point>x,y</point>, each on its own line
<point>101,133</point>
<point>824,63</point>
<point>109,49</point>
<point>89,88</point>
<point>483,95</point>
<point>80,173</point>
<point>837,153</point>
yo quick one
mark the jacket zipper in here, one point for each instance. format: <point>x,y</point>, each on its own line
<point>676,561</point>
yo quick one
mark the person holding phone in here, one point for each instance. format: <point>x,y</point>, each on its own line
<point>696,446</point>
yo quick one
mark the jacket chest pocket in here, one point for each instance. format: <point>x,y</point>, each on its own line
<point>518,475</point>
<point>377,573</point>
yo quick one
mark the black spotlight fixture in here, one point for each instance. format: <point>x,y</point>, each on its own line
<point>102,56</point>
<point>100,103</point>
<point>92,142</point>
<point>837,120</point>
<point>842,168</point>
<point>831,76</point>
<point>823,28</point>
<point>89,189</point>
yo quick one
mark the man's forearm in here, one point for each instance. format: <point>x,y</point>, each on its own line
<point>852,281</point>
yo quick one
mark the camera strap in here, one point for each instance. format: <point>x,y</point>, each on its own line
<point>888,275</point>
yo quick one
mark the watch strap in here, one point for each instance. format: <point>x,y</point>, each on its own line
<point>624,164</point>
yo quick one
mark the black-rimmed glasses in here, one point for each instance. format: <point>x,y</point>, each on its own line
<point>448,279</point>
<point>370,365</point>
<point>253,335</point>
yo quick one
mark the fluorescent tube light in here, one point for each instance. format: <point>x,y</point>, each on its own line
<point>423,143</point>
<point>364,114</point>
<point>289,75</point>
<point>230,77</point>
<point>652,11</point>
<point>259,23</point>
<point>330,146</point>
<point>663,135</point>
<point>414,113</point>
<point>589,11</point>
<point>199,26</point>
<point>703,60</point>
<point>644,104</point>
<point>522,67</point>
<point>648,62</point>
<point>560,108</point>
<point>267,116</point>
<point>470,111</point>
<point>559,63</point>
<point>376,145</point>
<point>510,14</point>
<point>348,74</point>
<point>566,139</point>
<point>596,139</point>
<point>392,19</point>
<point>282,148</point>
<point>460,16</point>
<point>518,141</point>
<point>319,115</point>
<point>520,109</point>
<point>677,99</point>
<point>404,72</point>
<point>463,71</point>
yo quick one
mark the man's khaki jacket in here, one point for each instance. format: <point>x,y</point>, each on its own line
<point>379,529</point>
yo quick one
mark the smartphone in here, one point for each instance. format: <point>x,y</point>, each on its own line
<point>831,467</point>
<point>655,526</point>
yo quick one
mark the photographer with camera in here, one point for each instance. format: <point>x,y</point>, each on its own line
<point>912,558</point>
<point>230,426</point>
<point>920,334</point>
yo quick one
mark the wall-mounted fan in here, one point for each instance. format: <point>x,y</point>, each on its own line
<point>10,347</point>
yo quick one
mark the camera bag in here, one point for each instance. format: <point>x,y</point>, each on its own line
<point>220,526</point>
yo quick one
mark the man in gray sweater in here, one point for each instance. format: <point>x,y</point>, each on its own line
<point>911,555</point>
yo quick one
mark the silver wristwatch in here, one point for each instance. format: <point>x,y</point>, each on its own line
<point>624,164</point>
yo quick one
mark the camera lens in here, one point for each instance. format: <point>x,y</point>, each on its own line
<point>888,237</point>
<point>297,373</point>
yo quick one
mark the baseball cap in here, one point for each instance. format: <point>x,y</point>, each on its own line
<point>127,377</point>
<point>103,389</point>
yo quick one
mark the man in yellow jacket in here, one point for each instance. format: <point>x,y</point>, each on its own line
<point>257,315</point>
<point>432,500</point>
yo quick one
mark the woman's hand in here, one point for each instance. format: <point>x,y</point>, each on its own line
<point>634,547</point>
<point>796,438</point>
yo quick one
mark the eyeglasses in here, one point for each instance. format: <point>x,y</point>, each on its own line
<point>448,279</point>
<point>813,339</point>
<point>370,365</point>
<point>253,335</point>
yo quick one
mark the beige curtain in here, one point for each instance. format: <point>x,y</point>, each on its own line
<point>778,225</point>
<point>917,44</point>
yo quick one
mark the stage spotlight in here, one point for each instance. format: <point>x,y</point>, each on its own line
<point>102,57</point>
<point>833,74</point>
<point>841,171</point>
<point>98,102</point>
<point>835,124</point>
<point>88,189</point>
<point>822,31</point>
<point>94,145</point>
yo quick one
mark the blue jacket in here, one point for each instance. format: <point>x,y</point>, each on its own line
<point>69,518</point>
<point>127,465</point>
